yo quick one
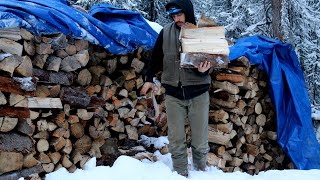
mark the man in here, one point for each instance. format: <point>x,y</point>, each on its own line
<point>186,90</point>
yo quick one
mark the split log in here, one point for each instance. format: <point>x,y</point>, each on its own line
<point>219,116</point>
<point>25,68</point>
<point>99,130</point>
<point>12,86</point>
<point>48,167</point>
<point>7,123</point>
<point>55,157</point>
<point>77,130</point>
<point>137,65</point>
<point>213,160</point>
<point>68,147</point>
<point>25,126</point>
<point>83,145</point>
<point>226,86</point>
<point>43,158</point>
<point>10,161</point>
<point>10,46</point>
<point>29,161</point>
<point>58,143</point>
<point>42,145</point>
<point>29,48</point>
<point>218,137</point>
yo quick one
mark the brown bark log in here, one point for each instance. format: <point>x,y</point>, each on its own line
<point>11,86</point>
<point>77,97</point>
<point>15,112</point>
<point>62,78</point>
<point>234,78</point>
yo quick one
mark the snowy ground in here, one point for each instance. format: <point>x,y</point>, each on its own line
<point>132,169</point>
<point>127,168</point>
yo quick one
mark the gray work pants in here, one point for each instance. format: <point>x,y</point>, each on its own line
<point>197,112</point>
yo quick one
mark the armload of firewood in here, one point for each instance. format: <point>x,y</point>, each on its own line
<point>201,44</point>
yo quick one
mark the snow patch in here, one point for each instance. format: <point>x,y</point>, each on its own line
<point>157,142</point>
<point>26,83</point>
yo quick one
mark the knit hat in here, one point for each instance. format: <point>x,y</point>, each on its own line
<point>172,10</point>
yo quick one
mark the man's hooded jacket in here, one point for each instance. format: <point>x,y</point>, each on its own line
<point>186,7</point>
<point>179,82</point>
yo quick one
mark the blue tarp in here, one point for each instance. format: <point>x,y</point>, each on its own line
<point>288,92</point>
<point>121,31</point>
<point>101,26</point>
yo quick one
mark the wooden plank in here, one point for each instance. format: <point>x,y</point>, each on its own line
<point>211,46</point>
<point>194,33</point>
<point>37,102</point>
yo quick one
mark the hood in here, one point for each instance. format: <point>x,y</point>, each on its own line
<point>186,6</point>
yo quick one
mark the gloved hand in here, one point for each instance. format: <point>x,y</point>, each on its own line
<point>204,66</point>
<point>146,87</point>
<point>155,87</point>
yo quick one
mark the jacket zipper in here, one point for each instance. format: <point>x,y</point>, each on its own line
<point>184,97</point>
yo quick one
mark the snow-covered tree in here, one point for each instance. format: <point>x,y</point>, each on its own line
<point>301,27</point>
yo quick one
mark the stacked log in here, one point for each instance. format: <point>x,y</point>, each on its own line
<point>62,99</point>
<point>242,129</point>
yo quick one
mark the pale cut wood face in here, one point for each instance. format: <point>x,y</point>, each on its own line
<point>204,40</point>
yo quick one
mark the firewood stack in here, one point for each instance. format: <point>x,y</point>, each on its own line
<point>242,128</point>
<point>62,98</point>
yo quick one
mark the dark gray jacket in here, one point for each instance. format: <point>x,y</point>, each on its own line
<point>178,82</point>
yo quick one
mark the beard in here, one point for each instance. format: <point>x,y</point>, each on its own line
<point>179,23</point>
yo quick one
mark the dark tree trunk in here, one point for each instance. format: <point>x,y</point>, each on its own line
<point>276,19</point>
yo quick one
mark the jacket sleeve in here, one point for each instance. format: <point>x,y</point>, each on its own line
<point>156,62</point>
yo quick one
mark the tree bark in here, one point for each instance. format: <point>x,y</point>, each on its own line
<point>276,19</point>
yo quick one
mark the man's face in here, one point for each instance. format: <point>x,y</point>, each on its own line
<point>179,19</point>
